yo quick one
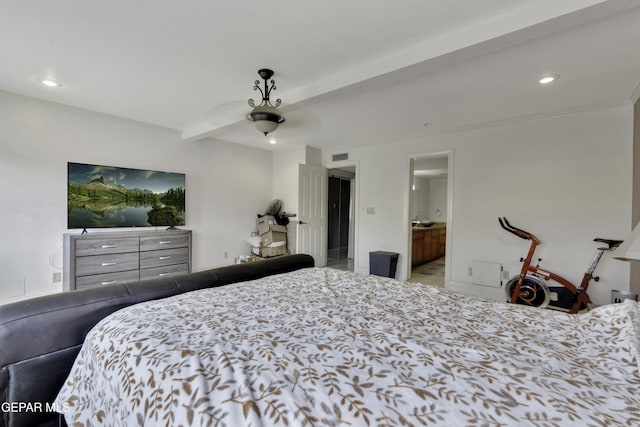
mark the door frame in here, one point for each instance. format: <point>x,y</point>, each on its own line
<point>354,199</point>
<point>345,176</point>
<point>449,154</point>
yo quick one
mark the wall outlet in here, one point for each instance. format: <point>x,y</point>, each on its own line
<point>226,255</point>
<point>470,271</point>
<point>57,277</point>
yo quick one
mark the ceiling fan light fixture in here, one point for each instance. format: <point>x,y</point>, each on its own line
<point>265,116</point>
<point>265,126</point>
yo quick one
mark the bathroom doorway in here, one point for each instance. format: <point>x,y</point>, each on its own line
<point>341,218</point>
<point>430,203</point>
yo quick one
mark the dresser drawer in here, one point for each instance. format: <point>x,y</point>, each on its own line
<point>106,246</point>
<point>100,264</point>
<point>164,257</point>
<point>170,241</point>
<point>164,271</point>
<point>107,279</point>
<point>114,257</point>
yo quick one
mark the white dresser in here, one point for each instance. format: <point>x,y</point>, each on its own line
<point>113,257</point>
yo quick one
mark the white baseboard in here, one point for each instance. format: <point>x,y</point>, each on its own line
<point>493,293</point>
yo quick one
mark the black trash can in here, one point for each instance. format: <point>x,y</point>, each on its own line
<point>383,263</point>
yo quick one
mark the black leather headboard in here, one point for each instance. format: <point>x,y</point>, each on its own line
<point>40,337</point>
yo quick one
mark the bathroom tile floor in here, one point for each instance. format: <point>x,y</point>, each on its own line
<point>429,273</point>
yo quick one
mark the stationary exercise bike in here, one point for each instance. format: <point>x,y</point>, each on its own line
<point>530,286</point>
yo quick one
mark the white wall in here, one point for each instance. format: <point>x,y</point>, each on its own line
<point>565,178</point>
<point>285,177</point>
<point>286,173</point>
<point>227,184</point>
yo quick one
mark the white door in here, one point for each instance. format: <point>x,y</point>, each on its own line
<point>312,213</point>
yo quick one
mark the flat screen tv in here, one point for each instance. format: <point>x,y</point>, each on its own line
<point>108,197</point>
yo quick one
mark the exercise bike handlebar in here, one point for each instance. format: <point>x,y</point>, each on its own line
<point>515,230</point>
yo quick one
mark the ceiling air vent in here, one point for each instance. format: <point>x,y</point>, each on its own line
<point>342,156</point>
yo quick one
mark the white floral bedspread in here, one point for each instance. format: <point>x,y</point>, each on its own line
<point>324,347</point>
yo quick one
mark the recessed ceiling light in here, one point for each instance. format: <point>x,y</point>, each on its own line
<point>50,83</point>
<point>272,141</point>
<point>549,78</point>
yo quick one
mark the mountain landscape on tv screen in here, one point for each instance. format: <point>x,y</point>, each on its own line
<point>106,196</point>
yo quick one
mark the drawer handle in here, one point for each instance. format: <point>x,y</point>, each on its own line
<point>110,282</point>
<point>108,246</point>
<point>107,264</point>
<point>164,274</point>
<point>164,242</point>
<point>165,257</point>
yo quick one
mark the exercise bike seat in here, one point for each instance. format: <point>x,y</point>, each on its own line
<point>611,243</point>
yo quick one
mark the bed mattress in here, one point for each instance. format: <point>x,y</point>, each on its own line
<point>324,347</point>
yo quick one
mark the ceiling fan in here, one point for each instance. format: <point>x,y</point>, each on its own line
<point>265,116</point>
<point>235,122</point>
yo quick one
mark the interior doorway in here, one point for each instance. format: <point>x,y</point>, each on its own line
<point>430,213</point>
<point>341,218</point>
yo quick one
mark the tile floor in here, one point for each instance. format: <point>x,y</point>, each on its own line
<point>429,273</point>
<point>337,258</point>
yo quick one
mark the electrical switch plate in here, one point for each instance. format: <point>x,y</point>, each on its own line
<point>371,211</point>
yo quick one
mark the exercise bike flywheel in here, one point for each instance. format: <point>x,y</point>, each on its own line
<point>533,291</point>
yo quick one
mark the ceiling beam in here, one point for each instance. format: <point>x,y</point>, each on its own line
<point>535,20</point>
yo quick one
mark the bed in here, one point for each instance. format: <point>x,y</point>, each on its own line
<point>41,337</point>
<point>318,346</point>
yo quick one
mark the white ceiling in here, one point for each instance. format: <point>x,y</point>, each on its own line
<point>348,72</point>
